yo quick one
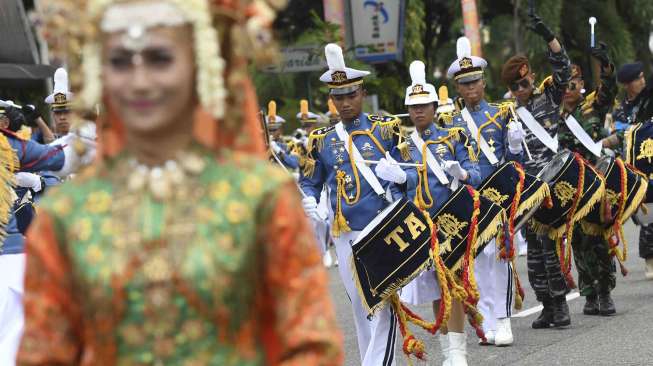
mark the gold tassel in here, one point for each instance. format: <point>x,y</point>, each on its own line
<point>308,167</point>
<point>339,222</point>
<point>8,165</point>
<point>404,150</point>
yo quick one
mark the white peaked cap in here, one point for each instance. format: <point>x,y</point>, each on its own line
<point>419,91</point>
<point>309,115</point>
<point>60,86</point>
<point>278,120</point>
<point>340,78</point>
<point>466,67</point>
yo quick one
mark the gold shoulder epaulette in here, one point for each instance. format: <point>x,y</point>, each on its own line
<point>316,138</point>
<point>389,125</point>
<point>460,135</point>
<point>587,106</point>
<point>545,83</point>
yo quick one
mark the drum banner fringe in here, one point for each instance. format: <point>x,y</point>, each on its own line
<point>8,166</point>
<point>390,290</point>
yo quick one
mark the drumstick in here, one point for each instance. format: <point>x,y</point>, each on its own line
<point>523,140</point>
<point>286,169</point>
<point>393,163</point>
<point>592,21</point>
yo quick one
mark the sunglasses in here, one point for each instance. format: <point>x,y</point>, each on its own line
<point>523,83</point>
<point>572,86</point>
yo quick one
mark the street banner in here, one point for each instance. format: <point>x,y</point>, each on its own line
<point>377,29</point>
<point>470,21</point>
<point>299,59</point>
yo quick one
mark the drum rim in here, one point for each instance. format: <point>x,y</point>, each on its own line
<point>568,158</point>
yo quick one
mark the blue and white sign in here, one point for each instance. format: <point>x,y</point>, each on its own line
<point>377,29</point>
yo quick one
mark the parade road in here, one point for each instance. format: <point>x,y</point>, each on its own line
<point>623,339</point>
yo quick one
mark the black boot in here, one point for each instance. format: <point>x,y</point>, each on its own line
<point>561,312</point>
<point>546,316</point>
<point>606,304</point>
<point>591,305</point>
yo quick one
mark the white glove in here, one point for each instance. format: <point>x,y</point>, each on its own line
<point>455,170</point>
<point>275,147</point>
<point>310,206</point>
<point>515,136</point>
<point>78,151</point>
<point>28,180</point>
<point>387,169</point>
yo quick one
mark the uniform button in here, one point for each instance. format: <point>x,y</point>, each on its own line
<point>335,167</point>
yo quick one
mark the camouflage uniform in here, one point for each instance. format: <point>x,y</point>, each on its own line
<point>544,273</point>
<point>595,266</point>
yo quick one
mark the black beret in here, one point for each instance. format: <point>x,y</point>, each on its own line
<point>629,72</point>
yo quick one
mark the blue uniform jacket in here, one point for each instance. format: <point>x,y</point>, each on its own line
<point>452,146</point>
<point>328,155</point>
<point>289,160</point>
<point>495,134</point>
<point>34,157</point>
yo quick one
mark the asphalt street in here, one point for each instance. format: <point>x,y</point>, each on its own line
<point>623,339</point>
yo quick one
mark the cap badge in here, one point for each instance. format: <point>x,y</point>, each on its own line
<point>60,98</point>
<point>339,77</point>
<point>418,89</point>
<point>465,63</point>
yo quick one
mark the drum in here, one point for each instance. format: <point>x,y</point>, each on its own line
<point>638,139</point>
<point>625,188</point>
<point>504,189</point>
<point>391,251</point>
<point>576,187</point>
<point>455,221</point>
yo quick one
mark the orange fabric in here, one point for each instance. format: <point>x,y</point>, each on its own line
<point>247,137</point>
<point>296,320</point>
<point>302,327</point>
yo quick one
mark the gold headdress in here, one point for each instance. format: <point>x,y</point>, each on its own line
<point>221,50</point>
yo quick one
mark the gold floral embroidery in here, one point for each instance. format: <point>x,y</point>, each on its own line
<point>94,254</point>
<point>62,206</point>
<point>98,202</point>
<point>236,212</point>
<point>156,268</point>
<point>251,186</point>
<point>564,191</point>
<point>220,190</point>
<point>646,150</point>
<point>83,229</point>
<point>494,195</point>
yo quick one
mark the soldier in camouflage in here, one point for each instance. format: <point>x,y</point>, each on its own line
<point>636,107</point>
<point>596,267</point>
<point>543,103</point>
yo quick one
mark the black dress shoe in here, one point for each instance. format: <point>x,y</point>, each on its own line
<point>546,316</point>
<point>591,305</point>
<point>561,312</point>
<point>606,304</point>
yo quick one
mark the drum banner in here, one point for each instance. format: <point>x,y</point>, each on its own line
<point>390,252</point>
<point>516,192</point>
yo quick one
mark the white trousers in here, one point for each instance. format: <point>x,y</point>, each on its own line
<point>495,284</point>
<point>376,336</point>
<point>12,320</point>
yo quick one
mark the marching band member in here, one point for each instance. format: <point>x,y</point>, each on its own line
<point>636,107</point>
<point>596,267</point>
<point>336,160</point>
<point>307,119</point>
<point>279,147</point>
<point>59,102</point>
<point>497,140</point>
<point>430,188</point>
<point>541,107</point>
